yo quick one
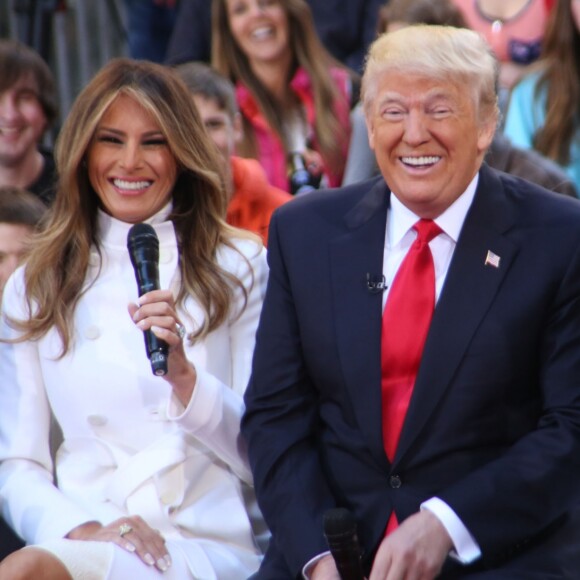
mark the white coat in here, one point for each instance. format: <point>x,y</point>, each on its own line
<point>129,446</point>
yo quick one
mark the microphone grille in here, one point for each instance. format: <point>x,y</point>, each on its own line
<point>142,234</point>
<point>339,522</point>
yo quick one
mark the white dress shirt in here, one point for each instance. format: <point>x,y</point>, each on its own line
<point>399,238</point>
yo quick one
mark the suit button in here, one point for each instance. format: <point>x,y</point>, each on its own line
<point>395,481</point>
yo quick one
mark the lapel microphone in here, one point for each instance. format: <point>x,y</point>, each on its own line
<point>376,283</point>
<point>143,246</point>
<point>340,533</point>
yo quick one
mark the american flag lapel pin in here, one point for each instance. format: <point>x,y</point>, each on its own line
<point>492,259</point>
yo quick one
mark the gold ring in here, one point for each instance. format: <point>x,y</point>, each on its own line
<point>180,329</point>
<point>124,529</point>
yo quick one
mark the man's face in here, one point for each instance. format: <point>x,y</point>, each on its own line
<point>13,238</point>
<point>428,139</point>
<point>22,121</point>
<point>223,130</point>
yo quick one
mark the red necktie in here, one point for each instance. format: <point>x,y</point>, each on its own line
<point>406,321</point>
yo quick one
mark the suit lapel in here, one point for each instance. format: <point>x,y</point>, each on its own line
<point>469,288</point>
<point>357,311</point>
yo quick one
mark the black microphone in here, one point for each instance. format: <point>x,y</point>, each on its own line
<point>143,246</point>
<point>376,283</point>
<point>340,533</point>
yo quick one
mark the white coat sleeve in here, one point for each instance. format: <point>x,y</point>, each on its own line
<point>31,503</point>
<point>214,412</point>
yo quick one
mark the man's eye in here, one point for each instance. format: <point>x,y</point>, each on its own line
<point>393,114</point>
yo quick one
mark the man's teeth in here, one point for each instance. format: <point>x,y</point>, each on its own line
<point>418,161</point>
<point>132,185</point>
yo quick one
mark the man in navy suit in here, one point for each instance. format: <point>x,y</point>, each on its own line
<point>485,478</point>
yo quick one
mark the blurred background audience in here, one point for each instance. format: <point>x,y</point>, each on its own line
<point>28,107</point>
<point>150,25</point>
<point>514,29</point>
<point>252,199</point>
<point>345,27</point>
<point>20,215</point>
<point>544,108</point>
<point>294,97</point>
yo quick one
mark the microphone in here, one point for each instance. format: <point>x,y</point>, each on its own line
<point>143,246</point>
<point>340,533</point>
<point>376,283</point>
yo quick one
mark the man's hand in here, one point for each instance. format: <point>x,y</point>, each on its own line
<point>416,549</point>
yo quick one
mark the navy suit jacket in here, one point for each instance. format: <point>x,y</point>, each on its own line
<point>493,427</point>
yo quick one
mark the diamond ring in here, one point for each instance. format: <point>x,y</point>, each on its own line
<point>124,529</point>
<point>180,329</point>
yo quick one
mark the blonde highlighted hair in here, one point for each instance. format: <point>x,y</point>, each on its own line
<point>56,269</point>
<point>454,54</point>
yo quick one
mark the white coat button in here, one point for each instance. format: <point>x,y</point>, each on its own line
<point>96,420</point>
<point>92,332</point>
<point>165,255</point>
<point>168,498</point>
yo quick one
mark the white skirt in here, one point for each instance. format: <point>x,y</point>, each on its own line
<point>89,560</point>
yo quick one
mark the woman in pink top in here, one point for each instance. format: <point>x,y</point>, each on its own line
<point>514,30</point>
<point>293,96</point>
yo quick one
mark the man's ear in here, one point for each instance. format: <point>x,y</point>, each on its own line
<point>486,134</point>
<point>370,132</point>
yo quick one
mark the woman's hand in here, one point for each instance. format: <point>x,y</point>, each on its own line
<point>131,533</point>
<point>156,312</point>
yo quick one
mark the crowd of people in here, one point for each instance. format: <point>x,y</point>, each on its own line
<point>403,343</point>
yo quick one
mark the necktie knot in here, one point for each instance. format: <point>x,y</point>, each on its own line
<point>426,231</point>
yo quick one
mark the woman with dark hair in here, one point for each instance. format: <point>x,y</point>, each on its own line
<point>149,476</point>
<point>544,108</point>
<point>293,95</point>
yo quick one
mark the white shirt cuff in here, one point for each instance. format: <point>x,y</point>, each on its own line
<point>466,548</point>
<point>311,563</point>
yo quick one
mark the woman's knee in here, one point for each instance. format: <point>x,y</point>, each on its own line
<point>31,564</point>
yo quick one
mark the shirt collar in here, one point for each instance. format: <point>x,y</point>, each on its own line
<point>401,219</point>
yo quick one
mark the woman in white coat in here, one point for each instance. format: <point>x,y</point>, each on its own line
<point>149,477</point>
